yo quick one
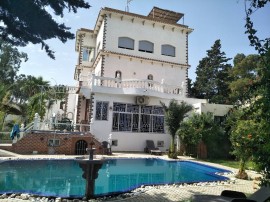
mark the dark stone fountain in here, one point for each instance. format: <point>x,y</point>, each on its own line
<point>90,169</point>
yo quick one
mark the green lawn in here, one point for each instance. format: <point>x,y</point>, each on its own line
<point>231,163</point>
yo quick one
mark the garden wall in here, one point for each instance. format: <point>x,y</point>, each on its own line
<point>54,143</point>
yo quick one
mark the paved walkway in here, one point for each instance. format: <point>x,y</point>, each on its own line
<point>186,193</point>
<point>161,193</point>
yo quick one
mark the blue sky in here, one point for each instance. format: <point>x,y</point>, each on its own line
<point>210,19</point>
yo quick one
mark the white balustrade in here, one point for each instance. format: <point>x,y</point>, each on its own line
<point>132,83</point>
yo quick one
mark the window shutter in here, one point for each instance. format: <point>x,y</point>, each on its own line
<point>125,42</point>
<point>168,50</point>
<point>146,46</point>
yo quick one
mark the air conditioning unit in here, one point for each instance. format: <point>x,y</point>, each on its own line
<point>142,100</point>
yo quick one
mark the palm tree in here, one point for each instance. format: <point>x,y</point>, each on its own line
<point>33,85</point>
<point>25,97</point>
<point>6,104</point>
<point>174,115</point>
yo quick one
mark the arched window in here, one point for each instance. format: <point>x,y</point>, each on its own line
<point>150,77</point>
<point>146,46</point>
<point>125,42</point>
<point>168,50</point>
<point>118,75</point>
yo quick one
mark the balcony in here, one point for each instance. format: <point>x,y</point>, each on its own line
<point>131,86</point>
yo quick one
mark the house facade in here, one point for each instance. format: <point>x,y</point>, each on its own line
<point>128,64</point>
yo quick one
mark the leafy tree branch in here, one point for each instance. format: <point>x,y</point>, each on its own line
<point>28,21</point>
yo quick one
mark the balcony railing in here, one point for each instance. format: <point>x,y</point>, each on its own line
<point>85,80</point>
<point>98,81</point>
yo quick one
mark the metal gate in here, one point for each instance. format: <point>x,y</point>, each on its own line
<point>80,148</point>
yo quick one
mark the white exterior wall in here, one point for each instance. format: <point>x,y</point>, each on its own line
<point>149,32</point>
<point>72,106</point>
<point>99,39</point>
<point>98,68</point>
<point>85,73</point>
<point>137,69</point>
<point>72,102</point>
<point>133,65</point>
<point>89,41</point>
<point>216,109</point>
<point>127,141</point>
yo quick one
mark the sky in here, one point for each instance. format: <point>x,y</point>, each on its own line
<point>210,19</point>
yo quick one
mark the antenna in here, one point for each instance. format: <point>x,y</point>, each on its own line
<point>127,7</point>
<point>183,20</point>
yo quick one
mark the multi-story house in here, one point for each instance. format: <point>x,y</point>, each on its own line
<point>127,64</point>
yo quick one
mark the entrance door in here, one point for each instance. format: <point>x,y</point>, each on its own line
<point>80,148</point>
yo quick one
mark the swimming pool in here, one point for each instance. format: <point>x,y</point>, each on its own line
<point>63,178</point>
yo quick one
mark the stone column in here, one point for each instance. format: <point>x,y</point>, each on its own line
<point>90,169</point>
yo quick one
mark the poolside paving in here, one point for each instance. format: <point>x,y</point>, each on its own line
<point>159,193</point>
<point>186,193</point>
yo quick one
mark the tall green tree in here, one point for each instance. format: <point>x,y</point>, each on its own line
<point>212,76</point>
<point>250,134</point>
<point>190,87</point>
<point>244,133</point>
<point>32,91</point>
<point>261,104</point>
<point>10,62</point>
<point>203,127</point>
<point>244,76</point>
<point>27,86</point>
<point>27,96</point>
<point>174,115</point>
<point>28,21</point>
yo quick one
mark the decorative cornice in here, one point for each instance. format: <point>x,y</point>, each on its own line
<point>79,35</point>
<point>106,10</point>
<point>104,52</point>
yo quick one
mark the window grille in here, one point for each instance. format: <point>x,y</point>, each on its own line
<point>53,142</point>
<point>137,118</point>
<point>102,110</point>
<point>80,147</point>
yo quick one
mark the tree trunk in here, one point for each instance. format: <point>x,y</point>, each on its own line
<point>172,147</point>
<point>242,171</point>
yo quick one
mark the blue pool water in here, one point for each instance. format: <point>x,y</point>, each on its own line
<point>64,177</point>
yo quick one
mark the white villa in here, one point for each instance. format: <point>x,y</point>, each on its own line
<point>127,64</point>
